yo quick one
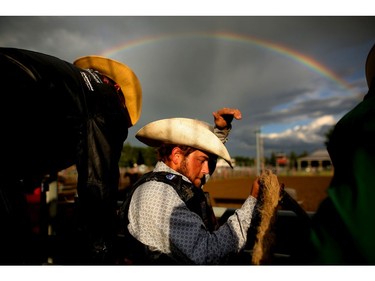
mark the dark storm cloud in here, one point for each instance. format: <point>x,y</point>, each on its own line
<point>191,76</point>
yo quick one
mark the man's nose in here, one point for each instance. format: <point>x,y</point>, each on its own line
<point>205,168</point>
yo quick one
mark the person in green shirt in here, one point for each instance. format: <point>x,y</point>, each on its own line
<point>343,228</point>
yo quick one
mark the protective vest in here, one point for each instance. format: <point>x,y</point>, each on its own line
<point>195,199</point>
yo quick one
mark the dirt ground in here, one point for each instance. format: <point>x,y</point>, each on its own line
<point>308,191</point>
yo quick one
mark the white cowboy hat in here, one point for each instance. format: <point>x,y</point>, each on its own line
<point>183,131</point>
<point>121,74</point>
<point>370,66</point>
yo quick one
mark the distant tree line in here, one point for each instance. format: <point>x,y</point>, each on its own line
<point>132,155</point>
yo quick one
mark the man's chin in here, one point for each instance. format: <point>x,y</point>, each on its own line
<point>198,183</point>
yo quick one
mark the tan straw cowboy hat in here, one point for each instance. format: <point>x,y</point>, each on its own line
<point>183,131</point>
<point>122,75</point>
<point>370,66</point>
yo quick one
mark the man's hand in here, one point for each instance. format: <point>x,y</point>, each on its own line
<point>224,117</point>
<point>254,191</point>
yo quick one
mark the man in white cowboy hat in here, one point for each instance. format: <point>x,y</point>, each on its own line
<point>55,114</point>
<point>168,214</point>
<point>344,225</point>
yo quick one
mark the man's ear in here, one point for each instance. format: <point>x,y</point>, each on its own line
<point>176,155</point>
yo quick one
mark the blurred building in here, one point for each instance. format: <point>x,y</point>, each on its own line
<point>317,161</point>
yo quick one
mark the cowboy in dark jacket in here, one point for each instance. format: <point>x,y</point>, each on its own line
<point>55,114</point>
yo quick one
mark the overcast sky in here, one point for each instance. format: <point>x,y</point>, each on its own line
<point>292,77</point>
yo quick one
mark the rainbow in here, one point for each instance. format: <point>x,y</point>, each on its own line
<point>233,37</point>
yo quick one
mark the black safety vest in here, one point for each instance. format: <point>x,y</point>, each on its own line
<point>195,199</point>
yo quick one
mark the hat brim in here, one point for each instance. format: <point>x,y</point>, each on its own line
<point>370,66</point>
<point>183,131</point>
<point>121,74</point>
